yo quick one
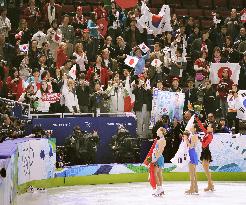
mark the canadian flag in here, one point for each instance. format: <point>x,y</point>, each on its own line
<point>57,38</point>
<point>143,47</point>
<point>72,72</point>
<point>243,15</point>
<point>131,61</point>
<point>24,48</point>
<point>156,63</point>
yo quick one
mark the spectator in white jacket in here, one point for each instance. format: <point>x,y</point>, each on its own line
<point>81,56</point>
<point>70,97</point>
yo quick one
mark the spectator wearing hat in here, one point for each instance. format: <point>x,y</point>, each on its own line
<point>175,85</point>
<point>54,36</point>
<point>209,98</point>
<point>68,34</point>
<point>232,108</point>
<point>79,22</point>
<point>242,75</point>
<point>142,107</point>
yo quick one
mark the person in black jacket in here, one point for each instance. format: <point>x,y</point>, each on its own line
<point>190,94</point>
<point>142,107</point>
<point>83,94</point>
<point>242,75</point>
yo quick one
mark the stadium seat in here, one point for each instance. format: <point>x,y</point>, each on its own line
<point>182,12</point>
<point>196,13</point>
<point>206,24</point>
<point>220,4</point>
<point>66,9</point>
<point>189,3</point>
<point>205,4</point>
<point>157,3</point>
<point>86,9</point>
<point>154,10</point>
<point>207,13</point>
<point>174,3</point>
<point>225,13</point>
<point>237,4</point>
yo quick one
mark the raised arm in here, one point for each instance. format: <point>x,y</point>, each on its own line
<point>201,125</point>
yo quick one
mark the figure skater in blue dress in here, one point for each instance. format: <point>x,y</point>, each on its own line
<point>191,140</point>
<point>158,160</point>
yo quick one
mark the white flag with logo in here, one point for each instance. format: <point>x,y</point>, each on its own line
<point>156,63</point>
<point>217,69</point>
<point>241,105</point>
<point>72,72</point>
<point>182,158</point>
<point>131,61</point>
<point>143,47</point>
<point>24,48</point>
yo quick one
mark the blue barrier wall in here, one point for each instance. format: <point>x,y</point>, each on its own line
<point>105,126</point>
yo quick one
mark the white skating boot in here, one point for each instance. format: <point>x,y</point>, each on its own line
<point>159,191</point>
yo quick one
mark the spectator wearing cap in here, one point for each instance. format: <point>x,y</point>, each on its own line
<point>79,22</point>
<point>232,108</point>
<point>61,54</point>
<point>201,67</point>
<point>81,58</point>
<point>242,75</point>
<point>175,85</point>
<point>68,34</point>
<point>83,93</point>
<point>190,94</point>
<point>209,98</point>
<point>142,107</point>
<point>40,36</point>
<point>54,36</point>
<point>89,45</point>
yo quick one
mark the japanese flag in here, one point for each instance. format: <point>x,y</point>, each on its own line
<point>131,61</point>
<point>72,72</point>
<point>156,63</point>
<point>216,71</point>
<point>24,48</point>
<point>143,47</point>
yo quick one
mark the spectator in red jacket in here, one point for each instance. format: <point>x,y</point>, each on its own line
<point>14,85</point>
<point>61,55</point>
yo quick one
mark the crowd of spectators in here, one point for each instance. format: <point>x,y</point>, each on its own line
<point>61,63</point>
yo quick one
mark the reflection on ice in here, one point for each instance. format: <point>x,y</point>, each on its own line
<point>137,193</point>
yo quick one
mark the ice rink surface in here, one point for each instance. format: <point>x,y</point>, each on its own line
<point>138,194</point>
